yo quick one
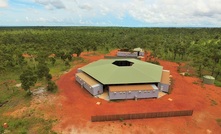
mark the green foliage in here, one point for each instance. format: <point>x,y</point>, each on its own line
<point>1,130</point>
<point>187,74</point>
<point>78,50</point>
<point>64,57</point>
<point>52,87</point>
<point>49,77</point>
<point>217,83</point>
<point>69,57</point>
<point>202,46</point>
<point>25,125</point>
<point>42,70</point>
<point>67,63</point>
<point>196,82</point>
<point>27,79</point>
<point>53,60</point>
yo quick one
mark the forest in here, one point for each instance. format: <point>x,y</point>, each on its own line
<point>199,47</point>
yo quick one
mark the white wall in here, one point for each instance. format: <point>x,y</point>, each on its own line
<point>94,89</point>
<point>127,54</point>
<point>163,87</point>
<point>134,94</point>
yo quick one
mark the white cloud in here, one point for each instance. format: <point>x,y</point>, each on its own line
<point>3,3</point>
<point>185,12</point>
<point>49,4</point>
<point>111,12</point>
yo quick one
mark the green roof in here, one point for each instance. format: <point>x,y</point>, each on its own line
<point>107,73</point>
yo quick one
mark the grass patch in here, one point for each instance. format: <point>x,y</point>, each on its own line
<point>11,74</point>
<point>16,98</point>
<point>27,125</point>
<point>58,67</point>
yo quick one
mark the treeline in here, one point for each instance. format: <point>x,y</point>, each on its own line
<point>200,46</point>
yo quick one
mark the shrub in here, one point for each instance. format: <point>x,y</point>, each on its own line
<point>51,86</point>
<point>187,74</point>
<point>1,130</point>
<point>217,83</point>
<point>195,82</point>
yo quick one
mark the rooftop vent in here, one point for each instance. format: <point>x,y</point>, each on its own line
<point>123,63</point>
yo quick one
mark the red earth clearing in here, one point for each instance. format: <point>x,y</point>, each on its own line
<point>75,107</point>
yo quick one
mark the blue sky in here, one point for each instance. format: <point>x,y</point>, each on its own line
<point>126,13</point>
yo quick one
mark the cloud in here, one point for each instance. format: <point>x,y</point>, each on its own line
<point>3,3</point>
<point>119,12</point>
<point>173,12</point>
<point>51,4</point>
<point>86,6</point>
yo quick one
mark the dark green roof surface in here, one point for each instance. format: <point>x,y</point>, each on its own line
<point>107,73</point>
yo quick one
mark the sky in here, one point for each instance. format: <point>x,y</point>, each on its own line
<point>123,13</point>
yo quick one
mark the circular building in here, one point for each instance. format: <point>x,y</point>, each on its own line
<point>124,78</point>
<point>208,79</point>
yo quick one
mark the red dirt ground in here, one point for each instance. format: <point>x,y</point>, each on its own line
<point>76,106</point>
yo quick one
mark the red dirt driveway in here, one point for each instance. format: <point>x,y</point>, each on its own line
<point>76,106</point>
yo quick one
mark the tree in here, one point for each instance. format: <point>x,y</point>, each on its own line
<point>78,50</point>
<point>51,86</point>
<point>42,70</point>
<point>69,57</point>
<point>49,77</point>
<point>64,57</point>
<point>53,60</point>
<point>215,54</point>
<point>200,58</point>
<point>67,63</point>
<point>27,79</point>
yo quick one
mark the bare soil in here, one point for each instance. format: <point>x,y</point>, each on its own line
<point>74,107</point>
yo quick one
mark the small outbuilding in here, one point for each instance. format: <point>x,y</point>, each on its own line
<point>136,52</point>
<point>208,79</point>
